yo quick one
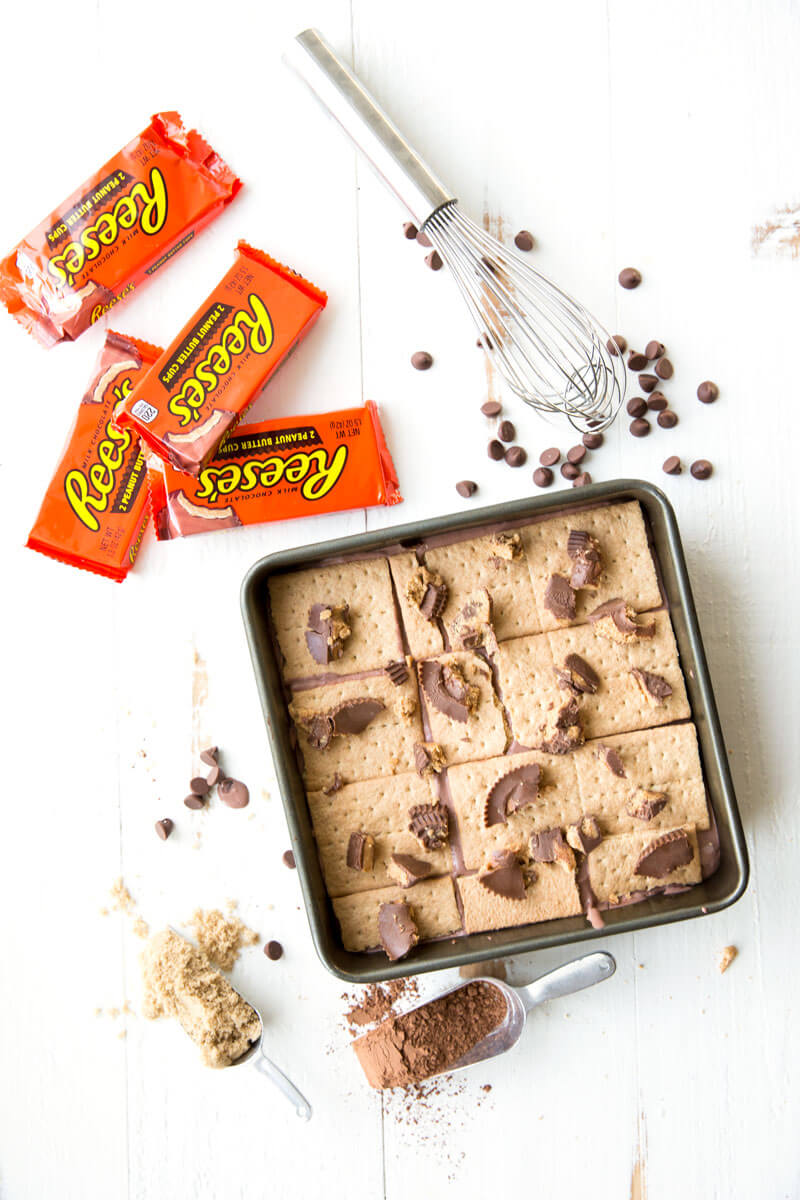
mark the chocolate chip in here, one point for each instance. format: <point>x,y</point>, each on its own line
<point>194,801</point>
<point>701,469</point>
<point>664,369</point>
<point>199,785</point>
<point>549,458</point>
<point>576,454</point>
<point>639,428</point>
<point>287,858</point>
<point>466,488</point>
<point>214,775</point>
<point>491,408</point>
<point>410,230</point>
<point>636,406</point>
<point>667,419</point>
<point>429,824</point>
<point>397,930</point>
<point>516,456</point>
<point>636,361</point>
<point>504,876</point>
<point>512,791</point>
<point>665,855</point>
<point>582,480</point>
<point>569,470</point>
<point>422,360</point>
<point>543,477</point>
<point>433,260</point>
<point>559,598</point>
<point>629,277</point>
<point>273,950</point>
<point>672,465</point>
<point>654,350</point>
<point>397,671</point>
<point>209,756</point>
<point>360,851</point>
<point>423,239</point>
<point>647,383</point>
<point>233,793</point>
<point>616,345</point>
<point>164,828</point>
<point>593,441</point>
<point>524,240</point>
<point>657,402</point>
<point>506,431</point>
<point>496,450</point>
<point>707,392</point>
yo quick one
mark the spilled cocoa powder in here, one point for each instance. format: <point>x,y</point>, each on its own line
<point>404,1050</point>
<point>377,1001</point>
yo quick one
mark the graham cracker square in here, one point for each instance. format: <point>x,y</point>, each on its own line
<point>483,734</point>
<point>552,894</point>
<point>612,865</point>
<point>433,907</point>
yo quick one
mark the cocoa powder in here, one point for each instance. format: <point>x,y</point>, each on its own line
<point>406,1049</point>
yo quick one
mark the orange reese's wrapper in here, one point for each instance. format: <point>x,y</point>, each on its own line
<point>121,226</point>
<point>95,510</point>
<point>220,361</point>
<point>290,467</point>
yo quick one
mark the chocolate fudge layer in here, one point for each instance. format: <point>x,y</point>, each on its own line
<point>493,729</point>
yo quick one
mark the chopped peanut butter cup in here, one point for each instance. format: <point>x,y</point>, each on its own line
<point>513,791</point>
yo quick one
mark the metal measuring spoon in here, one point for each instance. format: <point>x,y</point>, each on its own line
<point>563,981</point>
<point>265,1066</point>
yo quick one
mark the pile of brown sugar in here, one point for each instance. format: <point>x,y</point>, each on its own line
<point>221,937</point>
<point>406,1049</point>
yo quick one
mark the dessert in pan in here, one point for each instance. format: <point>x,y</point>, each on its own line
<point>493,730</point>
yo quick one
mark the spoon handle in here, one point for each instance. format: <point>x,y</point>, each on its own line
<point>265,1066</point>
<point>571,977</point>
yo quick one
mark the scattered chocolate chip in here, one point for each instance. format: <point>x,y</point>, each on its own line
<point>397,671</point>
<point>616,345</point>
<point>466,488</point>
<point>523,240</point>
<point>593,441</point>
<point>273,950</point>
<point>410,230</point>
<point>672,465</point>
<point>664,369</point>
<point>423,239</point>
<point>287,858</point>
<point>707,392</point>
<point>629,277</point>
<point>636,406</point>
<point>407,870</point>
<point>701,469</point>
<point>577,676</point>
<point>504,876</point>
<point>360,851</point>
<point>587,563</point>
<point>421,360</point>
<point>233,793</point>
<point>543,477</point>
<point>667,419</point>
<point>491,408</point>
<point>327,631</point>
<point>353,716</point>
<point>655,687</point>
<point>398,932</point>
<point>584,834</point>
<point>636,361</point>
<point>654,350</point>
<point>335,785</point>
<point>429,823</point>
<point>516,456</point>
<point>512,791</point>
<point>433,260</point>
<point>569,470</point>
<point>199,785</point>
<point>447,690</point>
<point>639,428</point>
<point>611,758</point>
<point>576,454</point>
<point>646,804</point>
<point>214,775</point>
<point>648,383</point>
<point>657,402</point>
<point>559,598</point>
<point>506,431</point>
<point>582,480</point>
<point>665,855</point>
<point>429,758</point>
<point>549,458</point>
<point>496,450</point>
<point>209,756</point>
<point>164,828</point>
<point>621,617</point>
<point>194,801</point>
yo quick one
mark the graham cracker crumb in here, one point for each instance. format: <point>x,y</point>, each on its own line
<point>141,928</point>
<point>725,958</point>
<point>221,938</point>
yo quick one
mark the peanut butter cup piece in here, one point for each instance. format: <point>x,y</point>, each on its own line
<point>429,823</point>
<point>353,716</point>
<point>616,620</point>
<point>645,804</point>
<point>335,785</point>
<point>577,676</point>
<point>513,791</point>
<point>472,625</point>
<point>587,562</point>
<point>504,876</point>
<point>565,731</point>
<point>428,592</point>
<point>584,834</point>
<point>429,758</point>
<point>397,929</point>
<point>407,870</point>
<point>654,688</point>
<point>505,547</point>
<point>327,631</point>
<point>397,672</point>
<point>361,851</point>
<point>559,598</point>
<point>447,690</point>
<point>549,846</point>
<point>611,758</point>
<point>664,855</point>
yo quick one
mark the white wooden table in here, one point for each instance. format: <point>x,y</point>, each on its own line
<point>621,134</point>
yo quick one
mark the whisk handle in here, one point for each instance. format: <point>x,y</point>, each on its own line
<point>351,105</point>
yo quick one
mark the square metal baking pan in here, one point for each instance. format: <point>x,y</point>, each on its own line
<point>721,889</point>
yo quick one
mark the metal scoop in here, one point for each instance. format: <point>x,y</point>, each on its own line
<point>265,1066</point>
<point>563,981</point>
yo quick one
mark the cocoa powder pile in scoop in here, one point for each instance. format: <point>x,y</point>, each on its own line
<point>406,1049</point>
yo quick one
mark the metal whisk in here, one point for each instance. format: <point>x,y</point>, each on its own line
<point>552,352</point>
